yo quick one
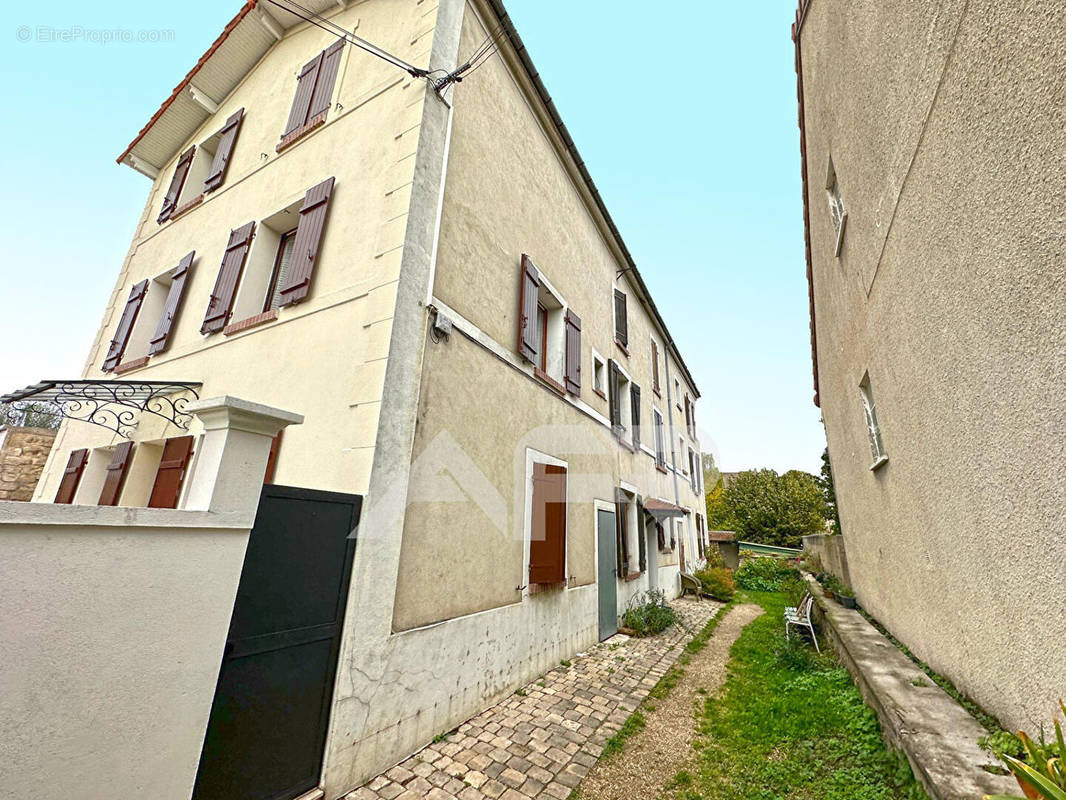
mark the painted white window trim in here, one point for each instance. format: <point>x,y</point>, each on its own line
<point>537,457</point>
<point>602,361</point>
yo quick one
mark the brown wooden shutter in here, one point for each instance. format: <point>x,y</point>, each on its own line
<point>161,336</point>
<point>621,507</point>
<point>655,367</point>
<point>272,458</point>
<point>642,539</point>
<point>125,325</point>
<point>116,474</point>
<point>171,472</point>
<point>621,322</point>
<point>547,544</point>
<point>228,138</point>
<point>661,536</point>
<point>220,306</point>
<point>634,405</point>
<point>305,88</point>
<point>327,76</point>
<point>614,401</point>
<point>305,247</point>
<point>68,485</point>
<point>177,181</point>
<point>573,353</point>
<point>528,341</point>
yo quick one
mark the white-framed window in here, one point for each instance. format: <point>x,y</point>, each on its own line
<point>873,428</point>
<point>620,389</point>
<point>268,261</point>
<point>660,439</point>
<point>837,213</point>
<point>599,374</point>
<point>544,554</point>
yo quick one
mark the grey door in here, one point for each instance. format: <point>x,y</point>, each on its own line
<point>607,571</point>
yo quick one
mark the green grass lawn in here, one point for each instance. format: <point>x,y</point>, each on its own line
<point>790,725</point>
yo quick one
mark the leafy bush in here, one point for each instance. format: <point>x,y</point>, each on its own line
<point>714,557</point>
<point>794,653</point>
<point>648,614</point>
<point>764,574</point>
<point>794,590</point>
<point>717,582</point>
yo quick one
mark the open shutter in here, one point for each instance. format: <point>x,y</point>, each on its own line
<point>655,367</point>
<point>621,516</point>
<point>327,76</point>
<point>116,474</point>
<point>68,485</point>
<point>177,181</point>
<point>547,544</point>
<point>614,400</point>
<point>220,305</point>
<point>305,88</point>
<point>272,458</point>
<point>161,336</point>
<point>171,472</point>
<point>621,322</point>
<point>573,353</point>
<point>228,138</point>
<point>125,325</point>
<point>301,266</point>
<point>634,405</point>
<point>528,341</point>
<point>642,538</point>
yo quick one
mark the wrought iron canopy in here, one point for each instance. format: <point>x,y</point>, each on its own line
<point>114,405</point>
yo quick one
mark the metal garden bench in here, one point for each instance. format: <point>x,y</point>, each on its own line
<point>800,617</point>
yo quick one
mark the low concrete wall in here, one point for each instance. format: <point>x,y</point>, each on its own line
<point>832,552</point>
<point>112,626</point>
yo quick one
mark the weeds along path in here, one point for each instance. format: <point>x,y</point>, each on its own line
<point>653,754</point>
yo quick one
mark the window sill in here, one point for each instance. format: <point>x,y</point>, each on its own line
<point>250,322</point>
<point>657,392</point>
<point>662,469</point>
<point>129,366</point>
<point>299,133</point>
<point>632,576</point>
<point>600,393</point>
<point>621,346</point>
<point>873,467</point>
<point>625,445</point>
<point>189,206</point>
<point>547,379</point>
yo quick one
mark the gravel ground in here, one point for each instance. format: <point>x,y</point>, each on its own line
<point>653,756</point>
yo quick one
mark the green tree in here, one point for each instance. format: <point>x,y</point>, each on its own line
<point>764,507</point>
<point>30,415</point>
<point>829,493</point>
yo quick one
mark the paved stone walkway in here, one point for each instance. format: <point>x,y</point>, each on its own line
<point>542,741</point>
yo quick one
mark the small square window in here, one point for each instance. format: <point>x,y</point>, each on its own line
<point>599,375</point>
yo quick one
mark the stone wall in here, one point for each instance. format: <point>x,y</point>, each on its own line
<point>831,550</point>
<point>23,452</point>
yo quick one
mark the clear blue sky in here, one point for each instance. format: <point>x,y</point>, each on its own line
<point>686,118</point>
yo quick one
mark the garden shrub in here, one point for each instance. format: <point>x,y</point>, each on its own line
<point>794,590</point>
<point>717,582</point>
<point>764,574</point>
<point>648,614</point>
<point>713,556</point>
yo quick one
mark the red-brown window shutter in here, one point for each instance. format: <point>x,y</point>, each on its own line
<point>547,545</point>
<point>228,138</point>
<point>177,181</point>
<point>116,474</point>
<point>634,405</point>
<point>161,336</point>
<point>68,485</point>
<point>171,472</point>
<point>528,342</point>
<point>655,367</point>
<point>614,401</point>
<point>642,539</point>
<point>220,306</point>
<point>125,325</point>
<point>305,248</point>
<point>573,353</point>
<point>305,88</point>
<point>621,321</point>
<point>327,76</point>
<point>272,458</point>
<point>622,518</point>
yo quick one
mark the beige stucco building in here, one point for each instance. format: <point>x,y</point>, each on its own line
<point>426,273</point>
<point>934,149</point>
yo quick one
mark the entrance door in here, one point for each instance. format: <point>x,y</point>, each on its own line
<point>267,731</point>
<point>652,537</point>
<point>606,576</point>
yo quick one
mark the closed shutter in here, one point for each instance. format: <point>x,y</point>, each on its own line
<point>622,518</point>
<point>171,472</point>
<point>272,458</point>
<point>170,308</point>
<point>614,400</point>
<point>305,88</point>
<point>68,485</point>
<point>528,342</point>
<point>547,544</point>
<point>305,249</point>
<point>573,353</point>
<point>660,535</point>
<point>621,322</point>
<point>116,474</point>
<point>642,538</point>
<point>634,404</point>
<point>125,326</point>
<point>177,182</point>
<point>228,138</point>
<point>655,367</point>
<point>327,76</point>
<point>220,305</point>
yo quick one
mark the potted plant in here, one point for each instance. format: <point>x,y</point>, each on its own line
<point>829,588</point>
<point>846,596</point>
<point>1041,772</point>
